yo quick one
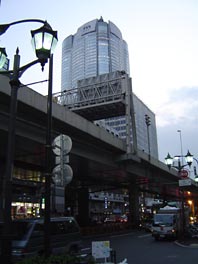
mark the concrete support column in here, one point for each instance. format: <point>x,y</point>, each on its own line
<point>83,193</point>
<point>134,205</point>
<point>71,200</point>
<point>131,136</point>
<point>132,114</point>
<point>2,173</point>
<point>83,206</point>
<point>58,200</point>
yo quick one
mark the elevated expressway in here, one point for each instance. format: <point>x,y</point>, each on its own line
<point>97,157</point>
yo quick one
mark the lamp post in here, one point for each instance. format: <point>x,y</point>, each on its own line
<point>44,40</point>
<point>148,123</point>
<point>181,145</point>
<point>169,162</point>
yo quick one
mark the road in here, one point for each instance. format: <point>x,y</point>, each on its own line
<point>139,248</point>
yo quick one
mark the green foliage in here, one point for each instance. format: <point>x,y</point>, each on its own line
<point>61,259</point>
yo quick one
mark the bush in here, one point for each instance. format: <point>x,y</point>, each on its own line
<point>61,259</point>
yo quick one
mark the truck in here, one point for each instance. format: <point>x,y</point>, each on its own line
<point>168,223</point>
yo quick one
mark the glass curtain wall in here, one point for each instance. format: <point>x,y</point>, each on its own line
<point>103,48</point>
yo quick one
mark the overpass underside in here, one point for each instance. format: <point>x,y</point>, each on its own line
<point>102,111</point>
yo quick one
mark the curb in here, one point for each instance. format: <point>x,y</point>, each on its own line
<point>193,245</point>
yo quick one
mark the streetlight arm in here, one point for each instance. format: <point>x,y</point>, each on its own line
<point>21,70</point>
<point>25,67</point>
<point>4,27</point>
<point>180,167</point>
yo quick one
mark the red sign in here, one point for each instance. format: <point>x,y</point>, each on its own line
<point>183,173</point>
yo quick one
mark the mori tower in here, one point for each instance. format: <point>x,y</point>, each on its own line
<point>98,48</point>
<point>95,49</point>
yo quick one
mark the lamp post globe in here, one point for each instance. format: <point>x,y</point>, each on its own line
<point>189,158</point>
<point>169,160</point>
<point>44,41</point>
<point>3,57</point>
<point>196,178</point>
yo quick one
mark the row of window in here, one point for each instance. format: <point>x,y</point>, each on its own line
<point>23,174</point>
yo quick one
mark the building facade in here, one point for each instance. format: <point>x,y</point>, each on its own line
<point>98,48</point>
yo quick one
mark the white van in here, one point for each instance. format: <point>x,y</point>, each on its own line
<point>29,236</point>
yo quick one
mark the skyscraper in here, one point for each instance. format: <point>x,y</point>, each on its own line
<point>95,49</point>
<point>98,48</point>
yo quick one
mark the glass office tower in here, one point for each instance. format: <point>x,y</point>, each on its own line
<point>98,48</point>
<point>95,49</point>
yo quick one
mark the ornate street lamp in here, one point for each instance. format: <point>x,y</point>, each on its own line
<point>169,162</point>
<point>189,158</point>
<point>196,178</point>
<point>44,40</point>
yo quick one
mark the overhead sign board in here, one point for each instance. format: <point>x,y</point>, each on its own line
<point>185,182</point>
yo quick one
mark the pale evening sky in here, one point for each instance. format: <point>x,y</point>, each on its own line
<point>162,37</point>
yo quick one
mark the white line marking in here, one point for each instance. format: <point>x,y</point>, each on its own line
<point>147,235</point>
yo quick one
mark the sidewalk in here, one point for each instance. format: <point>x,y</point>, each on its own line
<point>188,242</point>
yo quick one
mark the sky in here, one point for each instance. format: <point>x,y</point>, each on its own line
<point>162,38</point>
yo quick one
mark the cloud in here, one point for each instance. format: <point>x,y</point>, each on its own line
<point>180,107</point>
<point>178,111</point>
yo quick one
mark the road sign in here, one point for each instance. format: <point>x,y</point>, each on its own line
<point>100,249</point>
<point>183,173</point>
<point>185,182</point>
<point>62,143</point>
<point>62,174</point>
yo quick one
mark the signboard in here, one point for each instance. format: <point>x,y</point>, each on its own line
<point>183,173</point>
<point>100,249</point>
<point>185,182</point>
<point>62,174</point>
<point>62,143</point>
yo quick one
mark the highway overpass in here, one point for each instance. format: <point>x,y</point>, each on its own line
<point>105,153</point>
<point>97,157</point>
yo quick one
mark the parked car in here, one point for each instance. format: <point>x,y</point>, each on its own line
<point>123,219</point>
<point>28,236</point>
